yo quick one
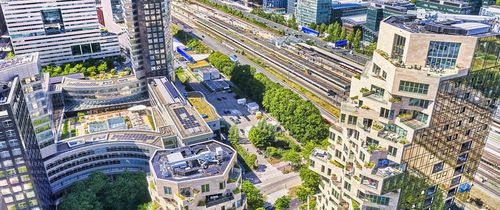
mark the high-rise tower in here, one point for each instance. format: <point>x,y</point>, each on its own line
<point>419,111</point>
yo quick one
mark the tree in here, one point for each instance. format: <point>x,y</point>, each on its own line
<point>255,199</point>
<point>331,28</point>
<point>322,28</point>
<point>282,203</point>
<point>350,36</point>
<point>98,192</point>
<point>102,67</point>
<point>309,178</point>
<point>498,2</point>
<point>357,39</point>
<point>313,26</point>
<point>251,159</point>
<point>262,135</point>
<point>294,158</point>
<point>234,135</point>
<point>342,33</point>
<point>304,192</point>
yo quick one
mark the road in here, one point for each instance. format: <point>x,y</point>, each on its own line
<point>229,49</point>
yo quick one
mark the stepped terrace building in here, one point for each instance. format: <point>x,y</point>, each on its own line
<point>421,108</point>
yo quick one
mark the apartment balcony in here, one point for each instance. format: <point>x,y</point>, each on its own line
<point>410,122</point>
<point>386,168</point>
<point>218,199</point>
<point>349,107</point>
<point>431,72</point>
<point>234,178</point>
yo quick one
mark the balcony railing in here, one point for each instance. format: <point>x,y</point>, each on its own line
<point>219,200</point>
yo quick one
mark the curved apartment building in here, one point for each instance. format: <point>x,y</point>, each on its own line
<point>205,175</point>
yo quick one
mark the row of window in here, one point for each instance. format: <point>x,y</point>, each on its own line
<point>413,87</point>
<point>85,49</point>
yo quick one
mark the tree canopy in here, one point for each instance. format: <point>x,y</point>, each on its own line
<point>126,192</point>
<point>262,135</point>
<point>300,117</point>
<point>255,199</point>
<point>282,203</point>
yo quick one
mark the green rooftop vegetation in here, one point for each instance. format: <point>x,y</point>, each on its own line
<point>96,69</point>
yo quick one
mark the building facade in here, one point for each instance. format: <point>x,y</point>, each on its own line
<point>23,181</point>
<point>205,175</point>
<point>466,7</point>
<point>313,11</point>
<point>377,11</point>
<point>270,5</point>
<point>420,110</point>
<point>60,31</point>
<point>148,29</point>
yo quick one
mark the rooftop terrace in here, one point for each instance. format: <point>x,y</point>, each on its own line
<point>450,27</point>
<point>205,159</point>
<point>18,60</point>
<point>134,118</point>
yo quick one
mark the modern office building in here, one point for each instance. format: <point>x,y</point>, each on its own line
<point>61,32</point>
<point>205,175</point>
<point>420,110</point>
<point>313,11</point>
<point>492,11</point>
<point>23,181</point>
<point>148,25</point>
<point>272,5</point>
<point>290,6</point>
<point>379,10</point>
<point>113,139</point>
<point>466,7</point>
<point>340,10</point>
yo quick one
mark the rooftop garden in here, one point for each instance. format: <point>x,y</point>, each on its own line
<point>204,108</point>
<point>113,120</point>
<point>92,68</point>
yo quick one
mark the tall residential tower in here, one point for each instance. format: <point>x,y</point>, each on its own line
<point>420,111</point>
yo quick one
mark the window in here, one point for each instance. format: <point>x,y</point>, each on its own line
<point>52,21</point>
<point>442,54</point>
<point>13,142</point>
<point>347,186</point>
<point>86,49</point>
<point>377,91</point>
<point>7,123</point>
<point>431,190</point>
<point>96,47</point>
<point>3,145</point>
<point>205,188</point>
<point>352,120</point>
<point>10,133</point>
<point>398,47</point>
<point>466,146</point>
<point>370,141</point>
<point>386,113</point>
<point>419,102</point>
<point>362,156</point>
<point>392,151</point>
<point>342,118</point>
<point>329,172</point>
<point>413,87</point>
<point>438,167</point>
<point>4,154</point>
<point>222,185</point>
<point>76,50</point>
<point>322,168</point>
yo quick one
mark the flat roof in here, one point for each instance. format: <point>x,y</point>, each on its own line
<point>198,64</point>
<point>18,60</point>
<point>199,102</point>
<point>450,27</point>
<point>205,159</point>
<point>183,116</point>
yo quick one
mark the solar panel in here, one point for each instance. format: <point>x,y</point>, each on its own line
<point>188,121</point>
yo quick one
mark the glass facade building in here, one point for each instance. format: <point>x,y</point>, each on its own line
<point>23,181</point>
<point>313,11</point>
